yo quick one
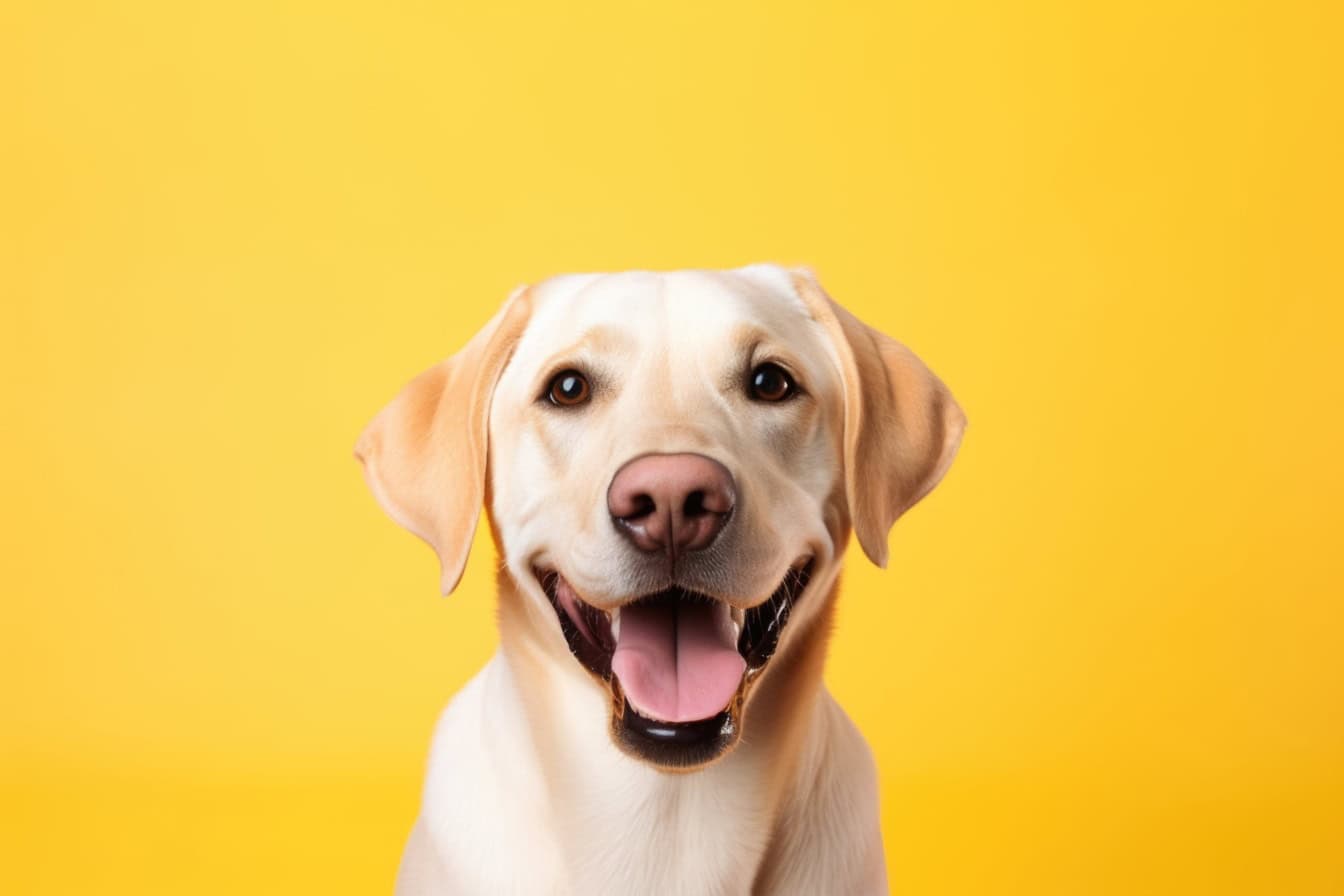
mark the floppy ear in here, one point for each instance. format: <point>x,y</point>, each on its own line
<point>425,454</point>
<point>902,426</point>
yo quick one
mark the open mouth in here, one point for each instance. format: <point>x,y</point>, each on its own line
<point>678,664</point>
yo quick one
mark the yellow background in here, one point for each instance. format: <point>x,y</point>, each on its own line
<point>1108,656</point>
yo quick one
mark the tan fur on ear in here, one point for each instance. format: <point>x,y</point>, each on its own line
<point>902,426</point>
<point>424,455</point>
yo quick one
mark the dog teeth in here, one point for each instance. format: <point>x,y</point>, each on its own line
<point>615,617</point>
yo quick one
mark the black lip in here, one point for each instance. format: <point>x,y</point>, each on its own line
<point>675,745</point>
<point>764,623</point>
<point>594,655</point>
<point>679,745</point>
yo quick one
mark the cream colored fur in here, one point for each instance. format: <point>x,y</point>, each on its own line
<point>526,793</point>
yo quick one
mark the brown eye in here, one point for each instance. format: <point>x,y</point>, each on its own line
<point>568,388</point>
<point>770,382</point>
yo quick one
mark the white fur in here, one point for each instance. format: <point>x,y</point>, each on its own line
<point>491,824</point>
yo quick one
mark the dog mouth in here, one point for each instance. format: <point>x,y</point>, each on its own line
<point>677,664</point>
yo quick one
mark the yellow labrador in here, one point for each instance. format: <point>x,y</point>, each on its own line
<point>672,464</point>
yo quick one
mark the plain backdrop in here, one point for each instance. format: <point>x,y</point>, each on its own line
<point>1107,657</point>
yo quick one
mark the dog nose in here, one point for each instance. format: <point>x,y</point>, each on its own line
<point>671,502</point>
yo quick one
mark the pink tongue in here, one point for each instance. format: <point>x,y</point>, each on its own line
<point>677,660</point>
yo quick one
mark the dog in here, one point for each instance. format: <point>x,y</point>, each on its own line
<point>673,464</point>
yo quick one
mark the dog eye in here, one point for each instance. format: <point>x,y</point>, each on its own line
<point>568,388</point>
<point>770,382</point>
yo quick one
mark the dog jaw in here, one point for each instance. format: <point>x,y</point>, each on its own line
<point>680,679</point>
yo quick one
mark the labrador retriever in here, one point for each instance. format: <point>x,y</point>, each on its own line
<point>672,465</point>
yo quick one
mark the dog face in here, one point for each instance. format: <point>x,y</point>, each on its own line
<point>675,462</point>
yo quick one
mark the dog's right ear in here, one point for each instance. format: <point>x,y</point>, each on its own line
<point>425,454</point>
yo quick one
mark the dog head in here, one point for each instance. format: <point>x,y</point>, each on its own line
<point>673,464</point>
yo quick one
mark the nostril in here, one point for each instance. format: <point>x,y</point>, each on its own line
<point>641,505</point>
<point>695,504</point>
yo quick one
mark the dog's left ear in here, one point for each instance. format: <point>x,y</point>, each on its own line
<point>902,425</point>
<point>425,454</point>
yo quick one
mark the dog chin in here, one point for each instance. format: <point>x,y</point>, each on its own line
<point>677,664</point>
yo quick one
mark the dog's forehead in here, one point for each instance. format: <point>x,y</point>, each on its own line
<point>659,306</point>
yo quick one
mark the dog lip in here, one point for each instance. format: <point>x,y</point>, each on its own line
<point>587,629</point>
<point>591,631</point>
<point>677,734</point>
<point>793,584</point>
<point>550,576</point>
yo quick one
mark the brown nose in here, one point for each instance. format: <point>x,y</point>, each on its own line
<point>671,502</point>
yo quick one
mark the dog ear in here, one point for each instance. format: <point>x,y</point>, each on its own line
<point>425,454</point>
<point>902,426</point>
